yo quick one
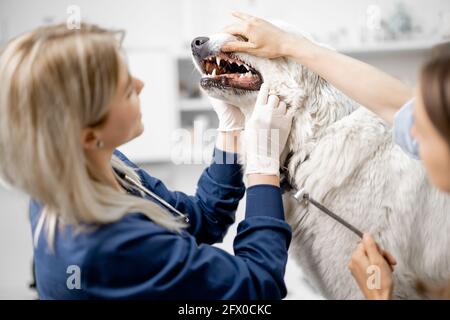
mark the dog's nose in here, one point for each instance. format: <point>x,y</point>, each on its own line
<point>198,42</point>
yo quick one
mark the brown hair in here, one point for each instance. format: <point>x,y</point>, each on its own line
<point>435,87</point>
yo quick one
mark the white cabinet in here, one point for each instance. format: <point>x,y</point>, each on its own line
<point>156,67</point>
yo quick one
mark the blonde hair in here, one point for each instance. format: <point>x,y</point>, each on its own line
<point>53,83</point>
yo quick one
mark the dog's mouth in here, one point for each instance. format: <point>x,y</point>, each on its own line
<point>226,71</point>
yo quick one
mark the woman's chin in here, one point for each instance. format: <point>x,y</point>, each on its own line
<point>140,130</point>
<point>137,132</point>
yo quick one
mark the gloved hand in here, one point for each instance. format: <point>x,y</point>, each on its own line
<point>266,134</point>
<point>230,117</point>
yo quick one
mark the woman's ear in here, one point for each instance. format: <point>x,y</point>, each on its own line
<point>89,139</point>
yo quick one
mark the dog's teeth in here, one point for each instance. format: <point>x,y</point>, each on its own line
<point>241,76</point>
<point>246,67</point>
<point>218,61</point>
<point>214,72</point>
<point>248,74</point>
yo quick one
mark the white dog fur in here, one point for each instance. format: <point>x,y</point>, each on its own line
<point>346,159</point>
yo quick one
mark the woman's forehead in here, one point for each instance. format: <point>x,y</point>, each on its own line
<point>124,73</point>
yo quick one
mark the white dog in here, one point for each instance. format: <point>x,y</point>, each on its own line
<point>344,156</point>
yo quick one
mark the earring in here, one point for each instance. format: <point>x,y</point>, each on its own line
<point>100,144</point>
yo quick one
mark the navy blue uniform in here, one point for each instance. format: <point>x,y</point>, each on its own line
<point>134,258</point>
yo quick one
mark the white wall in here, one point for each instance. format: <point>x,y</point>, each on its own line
<point>147,22</point>
<point>151,23</point>
<point>317,17</point>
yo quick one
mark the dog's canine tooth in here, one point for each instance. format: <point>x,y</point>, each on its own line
<point>241,76</point>
<point>218,61</point>
<point>214,72</point>
<point>248,74</point>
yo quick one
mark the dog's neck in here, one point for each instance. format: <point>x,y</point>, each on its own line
<point>317,105</point>
<point>320,107</point>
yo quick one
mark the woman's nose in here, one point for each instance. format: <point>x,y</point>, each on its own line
<point>139,85</point>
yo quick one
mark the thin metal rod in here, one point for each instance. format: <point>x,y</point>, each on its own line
<point>334,216</point>
<point>156,197</point>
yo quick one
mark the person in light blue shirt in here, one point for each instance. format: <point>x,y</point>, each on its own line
<point>421,125</point>
<point>403,124</point>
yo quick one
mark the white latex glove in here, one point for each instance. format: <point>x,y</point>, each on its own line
<point>266,134</point>
<point>230,117</point>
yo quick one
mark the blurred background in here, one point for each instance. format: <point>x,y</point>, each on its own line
<point>392,35</point>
